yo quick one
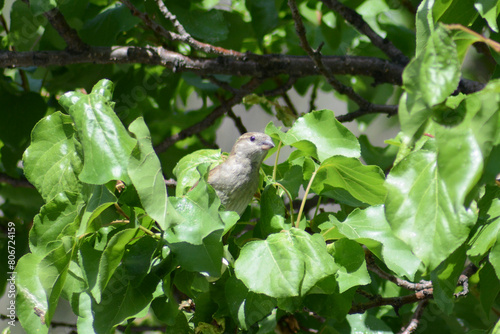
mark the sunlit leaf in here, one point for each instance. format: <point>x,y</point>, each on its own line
<point>294,254</point>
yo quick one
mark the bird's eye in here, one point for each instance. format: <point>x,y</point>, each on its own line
<point>252,138</point>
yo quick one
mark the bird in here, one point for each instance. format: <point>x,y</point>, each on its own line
<point>237,179</point>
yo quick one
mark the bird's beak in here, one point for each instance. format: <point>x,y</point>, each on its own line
<point>267,145</point>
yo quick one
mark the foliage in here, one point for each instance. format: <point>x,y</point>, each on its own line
<point>410,244</point>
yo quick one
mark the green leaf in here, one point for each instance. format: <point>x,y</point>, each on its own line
<point>146,174</point>
<point>414,116</point>
<point>98,199</point>
<point>41,6</point>
<point>488,233</point>
<point>370,227</point>
<point>196,228</point>
<point>110,260</point>
<point>106,143</point>
<point>494,258</point>
<point>332,305</point>
<point>264,16</point>
<point>209,25</point>
<point>286,264</point>
<point>24,30</point>
<point>246,307</point>
<point>349,181</point>
<point>349,255</point>
<point>435,73</point>
<point>52,271</point>
<point>104,28</point>
<point>459,160</point>
<point>272,211</point>
<point>445,277</point>
<point>123,299</point>
<point>367,323</point>
<point>424,25</point>
<point>320,135</point>
<point>420,210</point>
<point>31,299</point>
<point>186,169</point>
<point>489,287</point>
<point>489,10</point>
<point>53,160</point>
<point>373,155</point>
<point>55,221</point>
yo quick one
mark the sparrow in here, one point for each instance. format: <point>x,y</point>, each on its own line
<point>236,180</point>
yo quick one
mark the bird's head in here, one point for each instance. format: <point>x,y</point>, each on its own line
<point>252,145</point>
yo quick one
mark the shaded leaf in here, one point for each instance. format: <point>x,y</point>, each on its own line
<point>246,307</point>
<point>146,174</point>
<point>350,257</point>
<point>435,73</point>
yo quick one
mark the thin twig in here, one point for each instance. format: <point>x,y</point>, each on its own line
<point>463,280</point>
<point>4,178</point>
<point>396,302</point>
<point>415,319</point>
<point>182,36</point>
<point>365,106</point>
<point>493,44</point>
<point>70,36</point>
<point>237,121</point>
<point>372,266</point>
<point>210,119</point>
<point>171,183</point>
<point>290,104</point>
<point>389,110</point>
<point>281,89</point>
<point>360,24</point>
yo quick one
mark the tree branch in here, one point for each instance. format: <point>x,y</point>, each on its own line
<point>70,36</point>
<point>254,65</point>
<point>360,24</point>
<point>182,36</point>
<point>415,319</point>
<point>365,107</point>
<point>372,266</point>
<point>396,302</point>
<point>4,178</point>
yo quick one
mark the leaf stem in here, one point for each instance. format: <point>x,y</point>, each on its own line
<point>276,161</point>
<point>289,198</point>
<point>145,230</point>
<point>317,207</point>
<point>305,198</point>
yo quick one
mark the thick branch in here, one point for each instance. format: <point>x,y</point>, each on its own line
<point>254,65</point>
